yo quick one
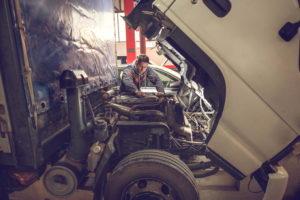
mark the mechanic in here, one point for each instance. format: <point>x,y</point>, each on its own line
<point>135,76</point>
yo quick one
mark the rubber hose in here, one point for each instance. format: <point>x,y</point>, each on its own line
<point>209,173</point>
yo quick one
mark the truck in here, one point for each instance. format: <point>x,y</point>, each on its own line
<point>237,105</point>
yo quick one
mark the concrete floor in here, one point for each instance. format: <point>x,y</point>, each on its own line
<point>222,189</point>
<point>38,192</point>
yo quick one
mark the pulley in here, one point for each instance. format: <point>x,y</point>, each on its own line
<point>61,180</point>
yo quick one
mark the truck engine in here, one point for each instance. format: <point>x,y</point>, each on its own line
<point>165,120</point>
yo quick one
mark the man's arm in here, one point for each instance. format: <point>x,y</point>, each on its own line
<point>155,80</point>
<point>127,81</point>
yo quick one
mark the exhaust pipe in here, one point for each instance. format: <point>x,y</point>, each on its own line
<point>72,81</point>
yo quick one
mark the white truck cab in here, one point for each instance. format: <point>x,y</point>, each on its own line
<point>249,72</point>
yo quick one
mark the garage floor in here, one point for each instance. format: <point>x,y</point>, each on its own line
<point>37,192</point>
<point>225,188</point>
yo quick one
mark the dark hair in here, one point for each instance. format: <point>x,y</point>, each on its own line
<point>142,58</point>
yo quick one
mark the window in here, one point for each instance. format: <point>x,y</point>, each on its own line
<point>166,78</point>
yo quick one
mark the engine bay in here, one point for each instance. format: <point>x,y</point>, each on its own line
<point>159,122</point>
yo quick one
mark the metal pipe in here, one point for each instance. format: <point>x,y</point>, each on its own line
<point>90,108</point>
<point>78,148</point>
<point>147,113</point>
<point>181,130</point>
<point>124,110</point>
<point>106,95</point>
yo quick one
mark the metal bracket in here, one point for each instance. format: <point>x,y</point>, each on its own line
<point>73,79</point>
<point>277,184</point>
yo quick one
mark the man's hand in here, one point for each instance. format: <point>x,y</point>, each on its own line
<point>160,93</point>
<point>140,94</point>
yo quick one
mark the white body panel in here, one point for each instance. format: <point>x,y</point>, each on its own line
<point>262,108</point>
<point>277,184</point>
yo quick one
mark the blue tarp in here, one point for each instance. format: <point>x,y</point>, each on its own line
<point>68,34</point>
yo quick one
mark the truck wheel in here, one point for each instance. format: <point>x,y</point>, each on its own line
<point>151,175</point>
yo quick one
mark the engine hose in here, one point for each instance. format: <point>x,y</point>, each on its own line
<point>200,165</point>
<point>209,173</point>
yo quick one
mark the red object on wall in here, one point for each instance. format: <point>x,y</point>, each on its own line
<point>130,34</point>
<point>142,43</point>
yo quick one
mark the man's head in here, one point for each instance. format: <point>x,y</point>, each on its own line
<point>142,63</point>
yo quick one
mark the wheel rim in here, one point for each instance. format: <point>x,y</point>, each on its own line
<point>148,189</point>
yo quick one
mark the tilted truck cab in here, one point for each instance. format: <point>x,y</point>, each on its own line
<point>62,116</point>
<point>240,54</point>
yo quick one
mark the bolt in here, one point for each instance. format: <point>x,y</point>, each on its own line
<point>97,149</point>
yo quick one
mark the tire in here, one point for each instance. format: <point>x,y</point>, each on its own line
<point>151,175</point>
